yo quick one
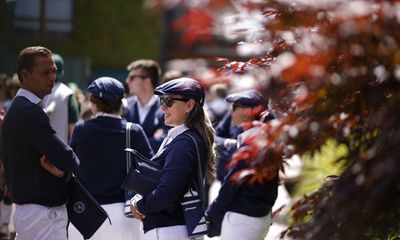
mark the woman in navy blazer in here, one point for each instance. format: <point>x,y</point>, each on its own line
<point>182,102</point>
<point>243,207</point>
<point>100,144</point>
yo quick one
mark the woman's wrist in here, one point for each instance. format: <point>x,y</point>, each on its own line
<point>134,201</point>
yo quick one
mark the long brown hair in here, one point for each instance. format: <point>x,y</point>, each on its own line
<point>199,121</point>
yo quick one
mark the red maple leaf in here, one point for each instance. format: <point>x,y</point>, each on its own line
<point>301,68</point>
<point>196,24</point>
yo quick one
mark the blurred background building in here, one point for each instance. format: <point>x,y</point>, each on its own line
<point>102,37</point>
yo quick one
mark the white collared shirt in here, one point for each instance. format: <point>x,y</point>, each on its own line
<point>108,115</point>
<point>144,109</point>
<point>172,134</point>
<point>175,131</point>
<point>28,95</point>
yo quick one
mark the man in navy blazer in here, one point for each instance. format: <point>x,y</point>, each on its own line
<point>229,128</point>
<point>143,107</point>
<point>36,161</point>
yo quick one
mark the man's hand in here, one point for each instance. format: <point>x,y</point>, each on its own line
<point>6,193</point>
<point>158,134</point>
<point>48,166</point>
<point>229,143</point>
<point>2,113</point>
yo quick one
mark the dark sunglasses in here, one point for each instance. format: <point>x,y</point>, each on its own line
<point>169,101</point>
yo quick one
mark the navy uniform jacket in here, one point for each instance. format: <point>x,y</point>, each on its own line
<point>251,199</point>
<point>100,144</point>
<point>153,121</point>
<point>26,137</point>
<point>162,207</point>
<point>223,131</point>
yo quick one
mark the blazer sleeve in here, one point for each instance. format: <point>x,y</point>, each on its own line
<point>158,125</point>
<point>140,142</point>
<point>222,128</point>
<point>175,178</point>
<point>75,136</point>
<point>226,193</point>
<point>45,140</point>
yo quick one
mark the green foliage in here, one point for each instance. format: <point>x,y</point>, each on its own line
<point>113,33</point>
<point>395,235</point>
<point>110,33</point>
<point>4,16</point>
<point>318,165</point>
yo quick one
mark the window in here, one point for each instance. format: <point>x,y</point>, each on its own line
<point>44,16</point>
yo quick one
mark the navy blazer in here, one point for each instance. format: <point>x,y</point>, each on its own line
<point>26,137</point>
<point>251,199</point>
<point>100,144</point>
<point>225,130</point>
<point>153,121</point>
<point>162,207</point>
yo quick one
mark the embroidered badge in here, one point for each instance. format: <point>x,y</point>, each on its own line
<point>79,207</point>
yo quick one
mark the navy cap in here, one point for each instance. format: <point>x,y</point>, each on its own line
<point>59,61</point>
<point>248,98</point>
<point>107,88</point>
<point>186,87</point>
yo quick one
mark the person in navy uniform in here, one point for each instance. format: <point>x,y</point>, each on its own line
<point>99,144</point>
<point>244,206</point>
<point>143,107</point>
<point>246,106</point>
<point>37,162</point>
<point>182,102</point>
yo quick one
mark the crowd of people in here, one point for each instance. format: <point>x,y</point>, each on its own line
<point>9,86</point>
<point>50,131</point>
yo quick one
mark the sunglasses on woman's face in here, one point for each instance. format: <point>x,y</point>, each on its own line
<point>169,101</point>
